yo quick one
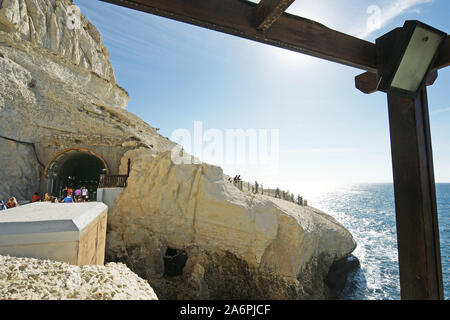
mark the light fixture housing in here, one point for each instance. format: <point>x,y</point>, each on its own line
<point>406,56</point>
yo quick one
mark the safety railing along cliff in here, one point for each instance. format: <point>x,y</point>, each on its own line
<point>276,193</point>
<point>115,180</point>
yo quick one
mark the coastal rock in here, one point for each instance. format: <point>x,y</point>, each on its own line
<point>338,274</point>
<point>58,91</point>
<point>182,227</point>
<point>229,244</point>
<point>35,279</point>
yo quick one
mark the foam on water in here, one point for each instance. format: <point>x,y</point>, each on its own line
<point>368,212</point>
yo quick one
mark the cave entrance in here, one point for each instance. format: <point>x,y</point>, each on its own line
<point>75,168</point>
<point>174,262</point>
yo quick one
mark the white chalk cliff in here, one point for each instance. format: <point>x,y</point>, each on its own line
<point>184,228</point>
<point>57,90</point>
<point>236,244</point>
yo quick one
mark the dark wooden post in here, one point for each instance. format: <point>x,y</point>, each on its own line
<point>415,198</point>
<point>129,167</point>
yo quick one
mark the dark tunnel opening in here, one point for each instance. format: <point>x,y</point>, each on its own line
<point>74,170</point>
<point>174,262</point>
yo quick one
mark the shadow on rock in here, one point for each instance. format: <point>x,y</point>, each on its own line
<point>340,274</point>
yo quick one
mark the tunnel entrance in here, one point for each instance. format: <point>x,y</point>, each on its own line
<point>74,169</point>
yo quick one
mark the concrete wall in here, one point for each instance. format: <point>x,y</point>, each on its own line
<point>108,196</point>
<point>70,232</point>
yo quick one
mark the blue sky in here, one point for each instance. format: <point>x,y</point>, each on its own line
<point>330,133</point>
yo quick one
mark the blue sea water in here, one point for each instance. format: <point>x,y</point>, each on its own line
<point>368,212</point>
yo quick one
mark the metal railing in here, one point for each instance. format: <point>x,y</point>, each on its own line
<point>280,194</point>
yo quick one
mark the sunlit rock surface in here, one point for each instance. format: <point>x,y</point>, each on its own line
<point>234,244</point>
<point>184,228</point>
<point>57,91</point>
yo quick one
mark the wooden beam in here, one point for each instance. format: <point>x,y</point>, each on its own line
<point>367,82</point>
<point>291,32</point>
<point>268,11</point>
<point>415,198</point>
<point>443,59</point>
<point>432,76</point>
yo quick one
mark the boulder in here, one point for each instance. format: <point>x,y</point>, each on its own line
<point>39,279</point>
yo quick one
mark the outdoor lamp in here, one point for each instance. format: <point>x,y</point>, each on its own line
<point>406,56</point>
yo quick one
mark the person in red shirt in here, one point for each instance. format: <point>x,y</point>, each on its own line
<point>12,203</point>
<point>35,197</point>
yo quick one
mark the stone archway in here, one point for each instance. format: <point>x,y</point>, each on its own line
<point>75,167</point>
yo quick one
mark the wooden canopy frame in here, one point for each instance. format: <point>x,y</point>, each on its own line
<point>414,185</point>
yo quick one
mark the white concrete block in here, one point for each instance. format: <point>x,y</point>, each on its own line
<point>69,232</point>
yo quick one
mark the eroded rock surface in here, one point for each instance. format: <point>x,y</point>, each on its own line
<point>238,245</point>
<point>184,228</point>
<point>57,91</point>
<point>36,279</point>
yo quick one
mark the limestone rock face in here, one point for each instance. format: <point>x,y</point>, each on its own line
<point>184,228</point>
<point>225,243</point>
<point>58,90</point>
<point>50,25</point>
<point>36,279</point>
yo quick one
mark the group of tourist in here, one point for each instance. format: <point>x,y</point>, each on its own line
<point>236,179</point>
<point>80,194</point>
<point>289,196</point>
<point>69,195</point>
<point>46,198</point>
<point>258,188</point>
